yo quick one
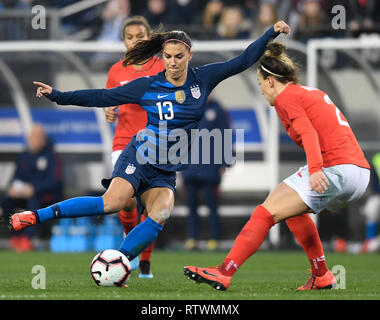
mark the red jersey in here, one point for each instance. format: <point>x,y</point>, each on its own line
<point>316,124</point>
<point>131,117</point>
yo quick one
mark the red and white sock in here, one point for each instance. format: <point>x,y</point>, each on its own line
<point>248,240</point>
<point>306,233</point>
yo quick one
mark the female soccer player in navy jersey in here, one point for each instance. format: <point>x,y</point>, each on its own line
<point>131,118</point>
<point>174,100</point>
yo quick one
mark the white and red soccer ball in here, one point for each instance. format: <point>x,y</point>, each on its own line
<point>110,268</point>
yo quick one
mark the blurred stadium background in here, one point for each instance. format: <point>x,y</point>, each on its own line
<point>72,44</point>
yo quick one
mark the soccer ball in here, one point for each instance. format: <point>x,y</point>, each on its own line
<point>110,268</point>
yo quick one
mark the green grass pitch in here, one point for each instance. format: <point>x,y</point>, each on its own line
<point>266,276</point>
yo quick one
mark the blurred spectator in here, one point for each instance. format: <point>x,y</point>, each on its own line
<point>158,12</point>
<point>89,19</point>
<point>360,15</point>
<point>267,17</point>
<point>212,13</point>
<point>312,21</point>
<point>205,178</point>
<point>113,16</point>
<point>24,4</point>
<point>232,24</point>
<point>249,8</point>
<point>184,12</point>
<point>37,182</point>
<point>13,28</point>
<point>5,4</point>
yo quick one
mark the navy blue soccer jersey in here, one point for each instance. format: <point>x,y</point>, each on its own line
<point>172,111</point>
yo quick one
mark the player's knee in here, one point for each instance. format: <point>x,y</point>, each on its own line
<point>160,216</point>
<point>275,215</point>
<point>114,203</point>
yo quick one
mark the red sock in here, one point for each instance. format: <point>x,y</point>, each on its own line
<point>128,219</point>
<point>147,253</point>
<point>306,233</point>
<point>249,240</point>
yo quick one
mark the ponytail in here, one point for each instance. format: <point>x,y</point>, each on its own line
<point>275,62</point>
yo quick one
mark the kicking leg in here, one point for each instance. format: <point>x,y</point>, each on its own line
<point>114,199</point>
<point>284,202</point>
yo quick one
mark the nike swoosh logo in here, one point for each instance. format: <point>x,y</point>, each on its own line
<point>124,82</point>
<point>163,96</point>
<point>210,274</point>
<point>23,221</point>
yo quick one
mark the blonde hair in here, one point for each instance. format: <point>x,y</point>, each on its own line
<point>275,62</point>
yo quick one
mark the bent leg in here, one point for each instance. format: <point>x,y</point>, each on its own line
<point>158,203</point>
<point>282,203</point>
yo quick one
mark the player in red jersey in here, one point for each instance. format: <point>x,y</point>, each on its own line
<point>336,173</point>
<point>131,118</point>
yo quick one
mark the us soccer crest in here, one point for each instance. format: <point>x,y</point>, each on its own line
<point>195,92</point>
<point>180,96</point>
<point>130,169</point>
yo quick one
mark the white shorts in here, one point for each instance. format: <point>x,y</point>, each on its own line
<point>348,183</point>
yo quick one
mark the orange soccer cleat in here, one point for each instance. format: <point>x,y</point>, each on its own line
<point>327,281</point>
<point>211,276</point>
<point>19,221</point>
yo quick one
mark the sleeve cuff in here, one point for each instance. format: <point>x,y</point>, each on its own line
<point>53,95</point>
<point>272,33</point>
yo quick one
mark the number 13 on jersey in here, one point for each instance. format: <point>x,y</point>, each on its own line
<point>167,114</point>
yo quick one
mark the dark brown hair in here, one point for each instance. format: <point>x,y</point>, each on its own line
<point>276,63</point>
<point>146,49</point>
<point>133,21</point>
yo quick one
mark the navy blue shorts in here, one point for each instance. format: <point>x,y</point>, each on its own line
<point>141,176</point>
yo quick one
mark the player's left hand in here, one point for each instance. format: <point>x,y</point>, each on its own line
<point>318,182</point>
<point>281,27</point>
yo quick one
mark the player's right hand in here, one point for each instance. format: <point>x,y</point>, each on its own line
<point>111,114</point>
<point>43,89</point>
<point>319,182</point>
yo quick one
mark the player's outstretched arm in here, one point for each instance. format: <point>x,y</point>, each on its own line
<point>84,98</point>
<point>220,71</point>
<point>129,93</point>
